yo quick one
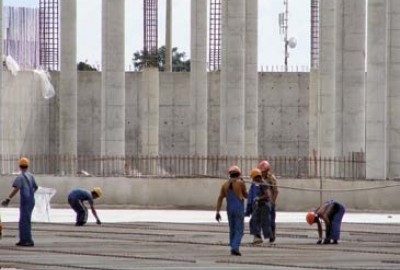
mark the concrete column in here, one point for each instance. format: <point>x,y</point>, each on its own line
<point>313,113</point>
<point>68,84</point>
<point>168,37</point>
<point>198,78</point>
<point>251,79</point>
<point>377,89</point>
<point>393,100</point>
<point>148,100</point>
<point>350,77</point>
<point>113,79</point>
<point>326,98</point>
<point>232,78</point>
<point>1,88</point>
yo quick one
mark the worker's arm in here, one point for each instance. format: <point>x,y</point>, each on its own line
<point>94,213</point>
<point>6,201</point>
<point>275,189</point>
<point>319,231</point>
<point>244,191</point>
<point>219,203</point>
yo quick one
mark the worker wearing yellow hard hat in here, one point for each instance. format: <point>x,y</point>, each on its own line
<point>259,207</point>
<point>76,199</point>
<point>25,184</point>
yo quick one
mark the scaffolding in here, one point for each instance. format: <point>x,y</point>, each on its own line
<point>214,57</point>
<point>150,17</point>
<point>314,33</point>
<point>48,34</point>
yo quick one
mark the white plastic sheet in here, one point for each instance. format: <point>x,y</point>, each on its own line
<point>12,65</point>
<point>45,84</point>
<point>41,212</point>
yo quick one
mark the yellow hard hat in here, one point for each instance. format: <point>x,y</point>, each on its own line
<point>98,191</point>
<point>23,162</point>
<point>255,172</point>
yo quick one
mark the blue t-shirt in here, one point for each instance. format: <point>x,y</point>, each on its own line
<point>27,186</point>
<point>81,195</point>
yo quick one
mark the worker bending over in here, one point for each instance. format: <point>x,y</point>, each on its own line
<point>76,200</point>
<point>331,212</point>
<point>234,190</point>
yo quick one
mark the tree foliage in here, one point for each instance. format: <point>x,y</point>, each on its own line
<point>83,66</point>
<point>179,64</point>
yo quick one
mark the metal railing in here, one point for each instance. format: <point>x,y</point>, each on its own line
<point>350,167</point>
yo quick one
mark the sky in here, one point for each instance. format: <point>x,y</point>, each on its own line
<point>270,43</point>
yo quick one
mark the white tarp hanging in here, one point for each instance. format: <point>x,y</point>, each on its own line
<point>11,64</point>
<point>45,84</point>
<point>41,212</point>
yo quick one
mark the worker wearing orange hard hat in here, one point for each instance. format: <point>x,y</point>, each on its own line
<point>234,190</point>
<point>259,207</point>
<point>25,184</point>
<point>331,212</point>
<point>270,179</point>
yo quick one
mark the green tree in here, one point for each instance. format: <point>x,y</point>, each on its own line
<point>179,64</point>
<point>84,66</point>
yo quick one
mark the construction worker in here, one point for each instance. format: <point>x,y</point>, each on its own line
<point>25,183</point>
<point>234,190</point>
<point>270,179</point>
<point>76,200</point>
<point>331,212</point>
<point>259,207</point>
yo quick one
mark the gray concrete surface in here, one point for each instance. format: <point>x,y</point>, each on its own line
<point>68,92</point>
<point>197,246</point>
<point>168,36</point>
<point>202,193</point>
<point>113,79</point>
<point>251,80</point>
<point>377,90</point>
<point>198,78</point>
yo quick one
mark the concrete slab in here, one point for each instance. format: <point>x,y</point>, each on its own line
<point>165,245</point>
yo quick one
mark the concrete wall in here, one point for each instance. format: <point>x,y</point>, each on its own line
<point>178,192</point>
<point>283,114</point>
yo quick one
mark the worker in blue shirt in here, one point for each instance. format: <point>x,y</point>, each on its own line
<point>26,185</point>
<point>76,200</point>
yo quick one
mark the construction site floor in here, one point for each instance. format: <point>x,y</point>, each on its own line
<point>157,245</point>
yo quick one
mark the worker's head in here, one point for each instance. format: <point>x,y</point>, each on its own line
<point>255,175</point>
<point>97,192</point>
<point>311,218</point>
<point>264,166</point>
<point>23,163</point>
<point>234,171</point>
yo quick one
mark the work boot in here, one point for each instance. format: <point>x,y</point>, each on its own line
<point>335,242</point>
<point>326,242</point>
<point>272,238</point>
<point>25,244</point>
<point>257,240</point>
<point>235,252</point>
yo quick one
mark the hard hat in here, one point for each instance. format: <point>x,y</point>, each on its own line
<point>310,218</point>
<point>23,162</point>
<point>255,172</point>
<point>98,191</point>
<point>264,165</point>
<point>234,169</point>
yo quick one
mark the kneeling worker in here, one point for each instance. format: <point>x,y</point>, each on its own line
<point>331,212</point>
<point>76,198</point>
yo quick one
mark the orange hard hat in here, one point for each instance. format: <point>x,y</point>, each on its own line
<point>234,169</point>
<point>254,173</point>
<point>24,162</point>
<point>264,165</point>
<point>310,217</point>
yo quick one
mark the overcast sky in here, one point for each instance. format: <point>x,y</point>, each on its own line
<point>270,49</point>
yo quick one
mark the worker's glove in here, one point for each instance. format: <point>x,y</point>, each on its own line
<point>218,217</point>
<point>5,202</point>
<point>98,222</point>
<point>319,242</point>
